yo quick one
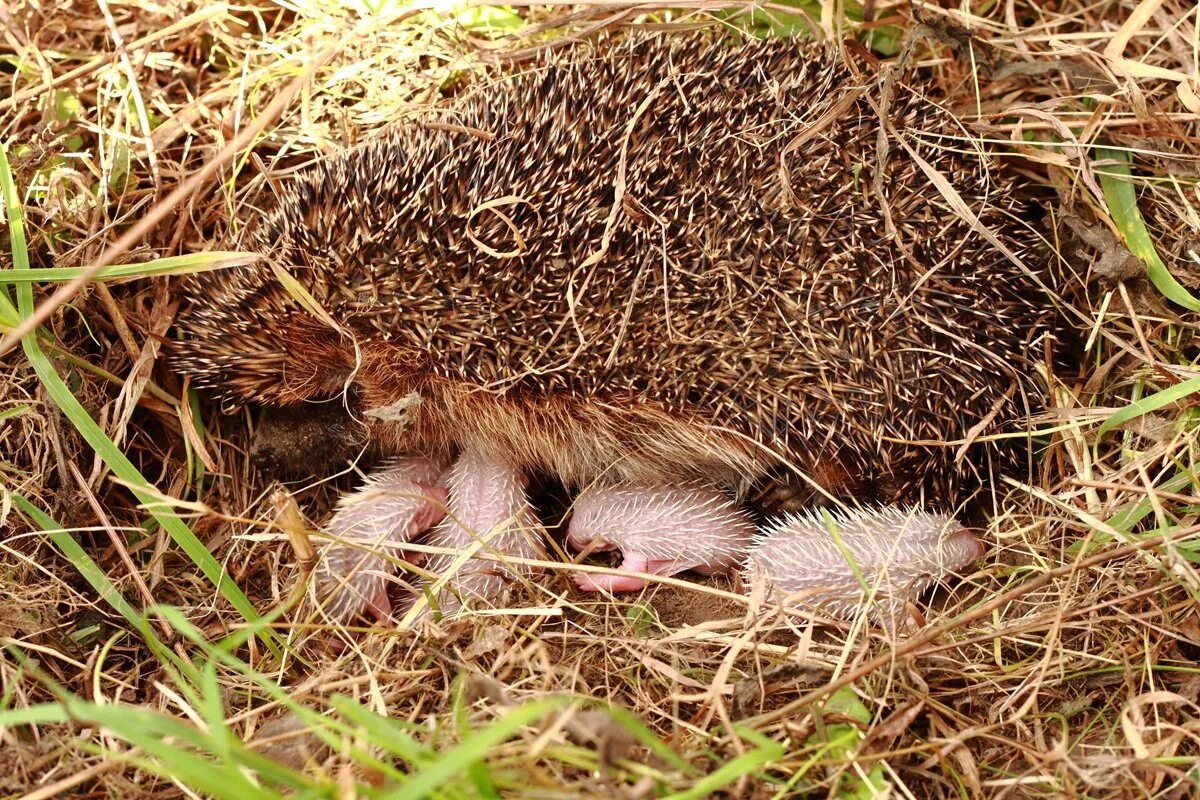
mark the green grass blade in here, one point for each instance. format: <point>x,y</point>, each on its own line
<point>172,265</point>
<point>388,734</point>
<point>1122,205</point>
<point>210,759</point>
<point>1172,394</point>
<point>120,465</point>
<point>178,751</point>
<point>15,411</point>
<point>732,770</point>
<point>456,761</point>
<point>83,563</point>
<point>647,738</point>
<point>1130,516</point>
<point>336,733</point>
<point>41,714</point>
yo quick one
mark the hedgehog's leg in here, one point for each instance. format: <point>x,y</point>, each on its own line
<point>489,513</point>
<point>395,505</point>
<point>891,553</point>
<point>659,531</point>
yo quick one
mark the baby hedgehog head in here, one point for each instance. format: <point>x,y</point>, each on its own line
<point>832,560</point>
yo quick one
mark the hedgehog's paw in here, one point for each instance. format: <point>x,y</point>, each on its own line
<point>395,505</point>
<point>613,584</point>
<point>659,530</point>
<point>632,562</point>
<point>490,517</point>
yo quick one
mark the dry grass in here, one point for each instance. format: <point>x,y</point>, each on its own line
<point>1069,665</point>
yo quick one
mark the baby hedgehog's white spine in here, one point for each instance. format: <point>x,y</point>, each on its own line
<point>367,529</point>
<point>488,510</point>
<point>898,554</point>
<point>690,526</point>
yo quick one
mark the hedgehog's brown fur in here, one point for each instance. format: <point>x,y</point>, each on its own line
<point>656,259</point>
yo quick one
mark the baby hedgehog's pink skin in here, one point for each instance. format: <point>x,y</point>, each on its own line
<point>394,506</point>
<point>487,503</point>
<point>659,530</point>
<point>898,553</point>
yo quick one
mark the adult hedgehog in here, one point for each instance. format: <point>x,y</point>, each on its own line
<point>640,265</point>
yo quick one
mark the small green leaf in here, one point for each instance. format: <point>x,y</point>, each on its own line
<point>66,106</point>
<point>1173,394</point>
<point>490,19</point>
<point>118,176</point>
<point>642,619</point>
<point>843,739</point>
<point>1116,183</point>
<point>845,701</point>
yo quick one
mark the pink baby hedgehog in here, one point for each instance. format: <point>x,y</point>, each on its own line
<point>840,561</point>
<point>396,505</point>
<point>660,531</point>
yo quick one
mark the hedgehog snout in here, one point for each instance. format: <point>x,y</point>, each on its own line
<point>306,440</point>
<point>961,549</point>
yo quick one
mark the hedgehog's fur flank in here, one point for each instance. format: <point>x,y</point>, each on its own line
<point>638,279</point>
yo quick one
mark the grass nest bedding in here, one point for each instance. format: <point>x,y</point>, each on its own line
<point>145,566</point>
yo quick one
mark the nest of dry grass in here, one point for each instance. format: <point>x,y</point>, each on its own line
<point>1069,665</point>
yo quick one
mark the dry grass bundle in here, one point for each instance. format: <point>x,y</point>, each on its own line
<point>138,132</point>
